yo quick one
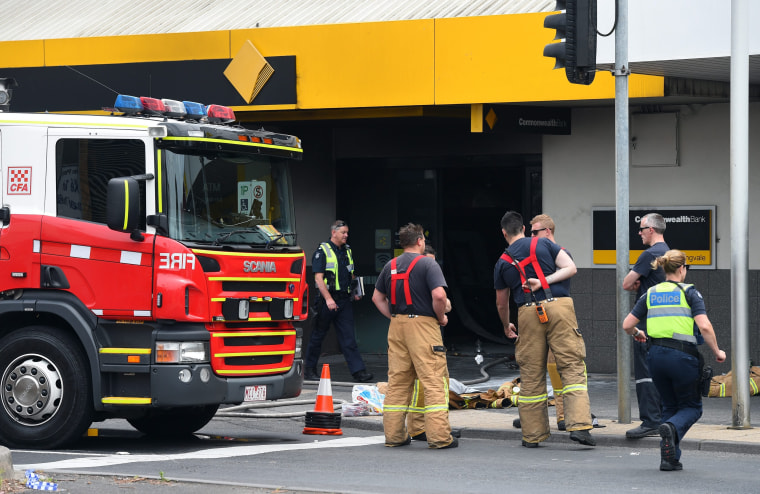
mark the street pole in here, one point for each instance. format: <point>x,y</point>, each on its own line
<point>740,213</point>
<point>622,203</point>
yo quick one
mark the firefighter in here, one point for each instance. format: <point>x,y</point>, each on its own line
<point>415,419</point>
<point>542,225</point>
<point>676,323</point>
<point>411,292</point>
<point>333,267</point>
<point>536,272</point>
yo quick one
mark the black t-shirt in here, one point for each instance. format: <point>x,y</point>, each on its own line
<point>505,275</point>
<point>650,277</point>
<point>426,275</point>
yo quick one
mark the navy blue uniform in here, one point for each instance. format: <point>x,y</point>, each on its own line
<point>646,393</point>
<point>342,319</point>
<point>676,374</point>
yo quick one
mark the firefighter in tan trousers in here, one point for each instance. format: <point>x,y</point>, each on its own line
<point>536,272</point>
<point>415,419</point>
<point>410,291</point>
<point>542,225</point>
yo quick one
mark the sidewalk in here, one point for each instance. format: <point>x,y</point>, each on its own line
<point>711,433</point>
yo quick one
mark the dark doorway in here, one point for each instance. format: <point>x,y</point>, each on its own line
<point>459,201</point>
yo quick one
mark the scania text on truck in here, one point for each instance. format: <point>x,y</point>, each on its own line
<point>148,269</point>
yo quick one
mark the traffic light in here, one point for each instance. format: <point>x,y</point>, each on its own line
<point>576,26</point>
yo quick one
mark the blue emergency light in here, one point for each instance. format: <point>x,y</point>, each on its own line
<point>195,111</point>
<point>128,104</point>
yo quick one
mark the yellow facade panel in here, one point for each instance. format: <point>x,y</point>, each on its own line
<point>139,48</point>
<point>354,65</point>
<point>499,59</point>
<point>22,54</point>
<point>693,257</point>
<point>452,61</point>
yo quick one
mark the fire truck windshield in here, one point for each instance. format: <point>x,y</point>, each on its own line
<point>228,197</point>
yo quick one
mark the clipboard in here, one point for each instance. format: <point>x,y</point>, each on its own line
<point>357,286</point>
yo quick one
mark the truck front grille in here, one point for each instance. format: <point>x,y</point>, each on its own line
<point>252,351</point>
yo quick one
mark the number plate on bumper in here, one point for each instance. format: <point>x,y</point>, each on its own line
<point>255,393</point>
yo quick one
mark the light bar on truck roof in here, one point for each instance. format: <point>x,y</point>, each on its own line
<point>186,110</point>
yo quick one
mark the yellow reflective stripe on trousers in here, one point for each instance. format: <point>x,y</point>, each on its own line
<point>440,407</point>
<point>395,408</point>
<point>574,387</point>
<point>416,394</point>
<point>524,399</point>
<point>753,385</point>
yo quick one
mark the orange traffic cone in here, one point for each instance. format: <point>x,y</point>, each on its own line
<point>323,420</point>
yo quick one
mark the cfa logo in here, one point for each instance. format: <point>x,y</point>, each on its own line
<point>20,180</point>
<point>176,260</point>
<point>259,267</point>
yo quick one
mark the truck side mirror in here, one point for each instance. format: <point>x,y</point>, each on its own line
<point>123,204</point>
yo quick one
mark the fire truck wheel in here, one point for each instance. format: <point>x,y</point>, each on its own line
<point>173,422</point>
<point>47,395</point>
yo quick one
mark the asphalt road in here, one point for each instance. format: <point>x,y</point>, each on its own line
<point>257,455</point>
<point>275,457</point>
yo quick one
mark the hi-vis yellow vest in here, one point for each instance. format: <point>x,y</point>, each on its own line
<point>331,265</point>
<point>668,314</point>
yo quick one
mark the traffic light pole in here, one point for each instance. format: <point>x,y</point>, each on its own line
<point>622,204</point>
<point>739,160</point>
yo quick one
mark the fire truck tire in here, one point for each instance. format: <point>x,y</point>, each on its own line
<point>174,422</point>
<point>47,394</point>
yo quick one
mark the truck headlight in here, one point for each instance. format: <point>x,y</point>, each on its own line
<point>179,352</point>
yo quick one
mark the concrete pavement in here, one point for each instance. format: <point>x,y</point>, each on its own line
<point>711,433</point>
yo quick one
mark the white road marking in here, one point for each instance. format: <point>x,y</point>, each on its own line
<point>118,459</point>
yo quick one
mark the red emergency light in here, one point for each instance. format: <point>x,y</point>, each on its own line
<point>152,106</point>
<point>220,114</point>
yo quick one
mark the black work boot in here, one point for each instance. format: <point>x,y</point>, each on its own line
<point>310,374</point>
<point>583,437</point>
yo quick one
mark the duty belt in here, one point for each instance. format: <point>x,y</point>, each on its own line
<point>683,346</point>
<point>410,316</point>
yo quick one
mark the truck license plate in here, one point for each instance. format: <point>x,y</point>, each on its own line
<point>255,393</point>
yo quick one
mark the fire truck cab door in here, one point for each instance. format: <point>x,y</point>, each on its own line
<point>107,270</point>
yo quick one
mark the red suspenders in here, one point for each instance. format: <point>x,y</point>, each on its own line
<point>404,278</point>
<point>533,261</point>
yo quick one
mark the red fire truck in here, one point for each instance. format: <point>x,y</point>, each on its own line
<point>148,269</point>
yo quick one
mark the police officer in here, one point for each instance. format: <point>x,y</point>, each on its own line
<point>641,277</point>
<point>333,267</point>
<point>536,272</point>
<point>676,323</point>
<point>411,292</point>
